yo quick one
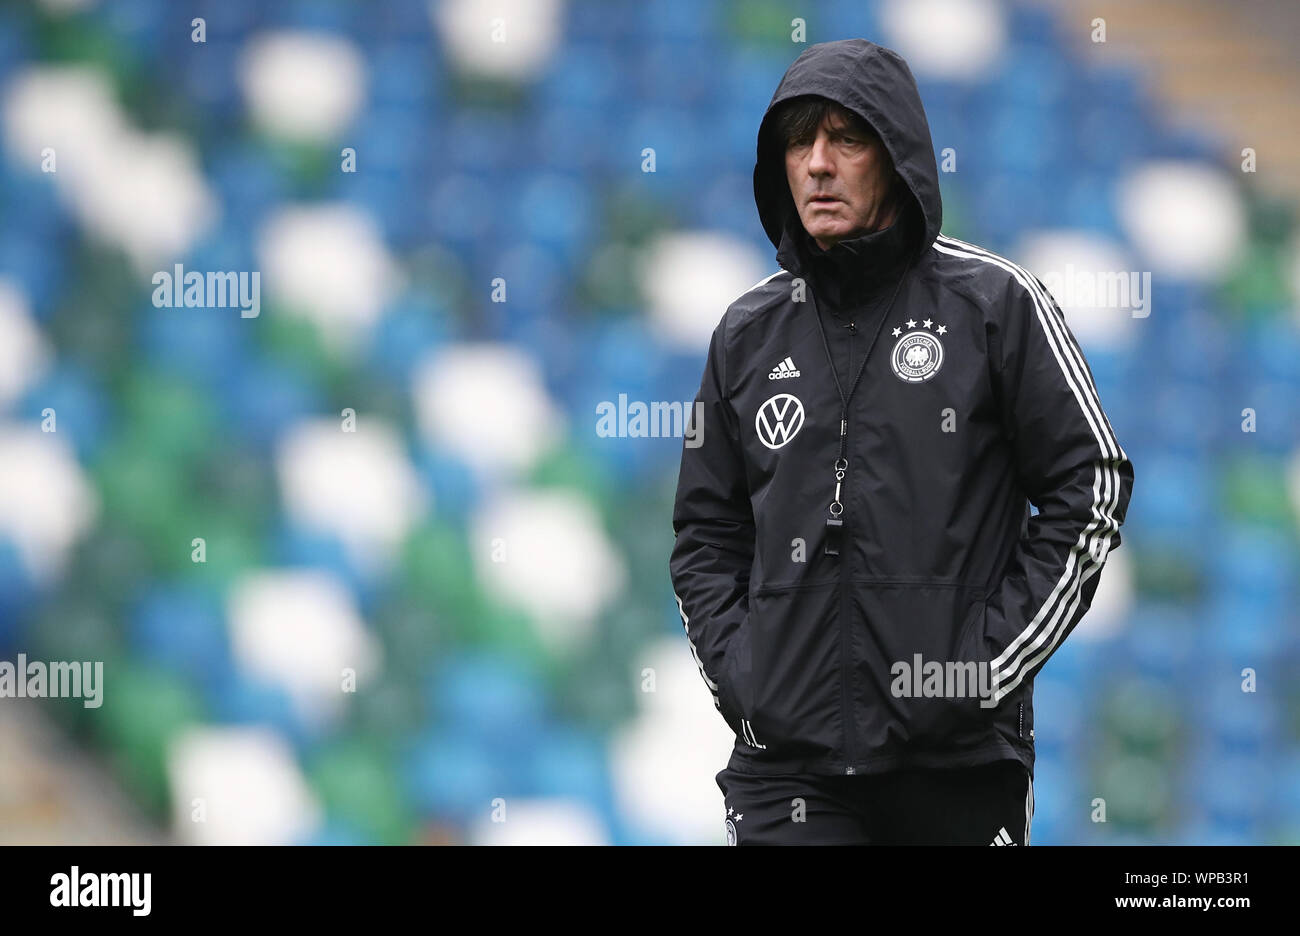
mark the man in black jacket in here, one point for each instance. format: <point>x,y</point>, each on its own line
<point>863,584</point>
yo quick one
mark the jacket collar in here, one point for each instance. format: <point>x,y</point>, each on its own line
<point>855,269</point>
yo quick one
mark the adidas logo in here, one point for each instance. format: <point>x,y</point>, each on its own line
<point>783,370</point>
<point>1002,838</point>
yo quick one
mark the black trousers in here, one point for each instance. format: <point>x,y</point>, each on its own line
<point>992,804</point>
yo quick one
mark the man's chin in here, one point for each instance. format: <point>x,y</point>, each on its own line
<point>829,235</point>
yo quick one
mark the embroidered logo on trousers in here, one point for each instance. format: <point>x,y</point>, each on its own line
<point>731,826</point>
<point>1002,838</point>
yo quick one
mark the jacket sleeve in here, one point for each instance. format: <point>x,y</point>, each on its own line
<point>714,527</point>
<point>1071,467</point>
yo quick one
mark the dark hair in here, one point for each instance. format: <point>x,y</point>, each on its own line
<point>797,119</point>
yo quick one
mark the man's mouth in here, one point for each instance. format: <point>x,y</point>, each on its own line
<point>823,200</point>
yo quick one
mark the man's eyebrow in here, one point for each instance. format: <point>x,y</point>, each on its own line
<point>848,129</point>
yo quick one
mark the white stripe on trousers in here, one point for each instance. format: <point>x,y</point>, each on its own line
<point>1029,807</point>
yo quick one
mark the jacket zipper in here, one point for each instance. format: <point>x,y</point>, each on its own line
<point>846,672</point>
<point>846,711</point>
<point>846,695</point>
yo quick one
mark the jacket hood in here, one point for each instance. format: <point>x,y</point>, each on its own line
<point>875,83</point>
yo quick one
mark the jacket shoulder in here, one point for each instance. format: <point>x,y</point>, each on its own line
<point>980,275</point>
<point>750,304</point>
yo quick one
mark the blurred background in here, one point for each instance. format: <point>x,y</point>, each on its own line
<point>362,569</point>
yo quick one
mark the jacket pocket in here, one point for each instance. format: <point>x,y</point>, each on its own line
<point>793,704</point>
<point>925,671</point>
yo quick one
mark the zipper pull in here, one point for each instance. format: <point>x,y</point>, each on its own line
<point>835,522</point>
<point>853,329</point>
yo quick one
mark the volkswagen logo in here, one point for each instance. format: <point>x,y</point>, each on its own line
<point>779,420</point>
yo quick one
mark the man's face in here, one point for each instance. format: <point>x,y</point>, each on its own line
<point>840,181</point>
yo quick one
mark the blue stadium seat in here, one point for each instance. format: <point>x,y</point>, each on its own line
<point>455,490</point>
<point>239,698</point>
<point>17,593</point>
<point>1255,564</point>
<point>451,774</point>
<point>265,397</point>
<point>681,20</point>
<point>1032,76</point>
<point>463,208</point>
<point>294,547</point>
<point>1034,26</point>
<point>675,73</point>
<point>1060,713</point>
<point>1243,723</point>
<point>1269,350</point>
<point>336,831</point>
<point>491,696</point>
<point>835,19</point>
<point>1177,494</point>
<point>36,237</point>
<point>1236,794</point>
<point>556,211</point>
<point>571,763</point>
<point>599,21</point>
<point>82,410</point>
<point>1090,202</point>
<point>249,188</point>
<point>16,45</point>
<point>182,628</point>
<point>414,325</point>
<point>1248,630</point>
<point>1160,641</point>
<point>197,344</point>
<point>402,70</point>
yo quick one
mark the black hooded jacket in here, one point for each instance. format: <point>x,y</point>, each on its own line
<point>909,635</point>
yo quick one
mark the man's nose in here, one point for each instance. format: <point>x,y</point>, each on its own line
<point>819,160</point>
